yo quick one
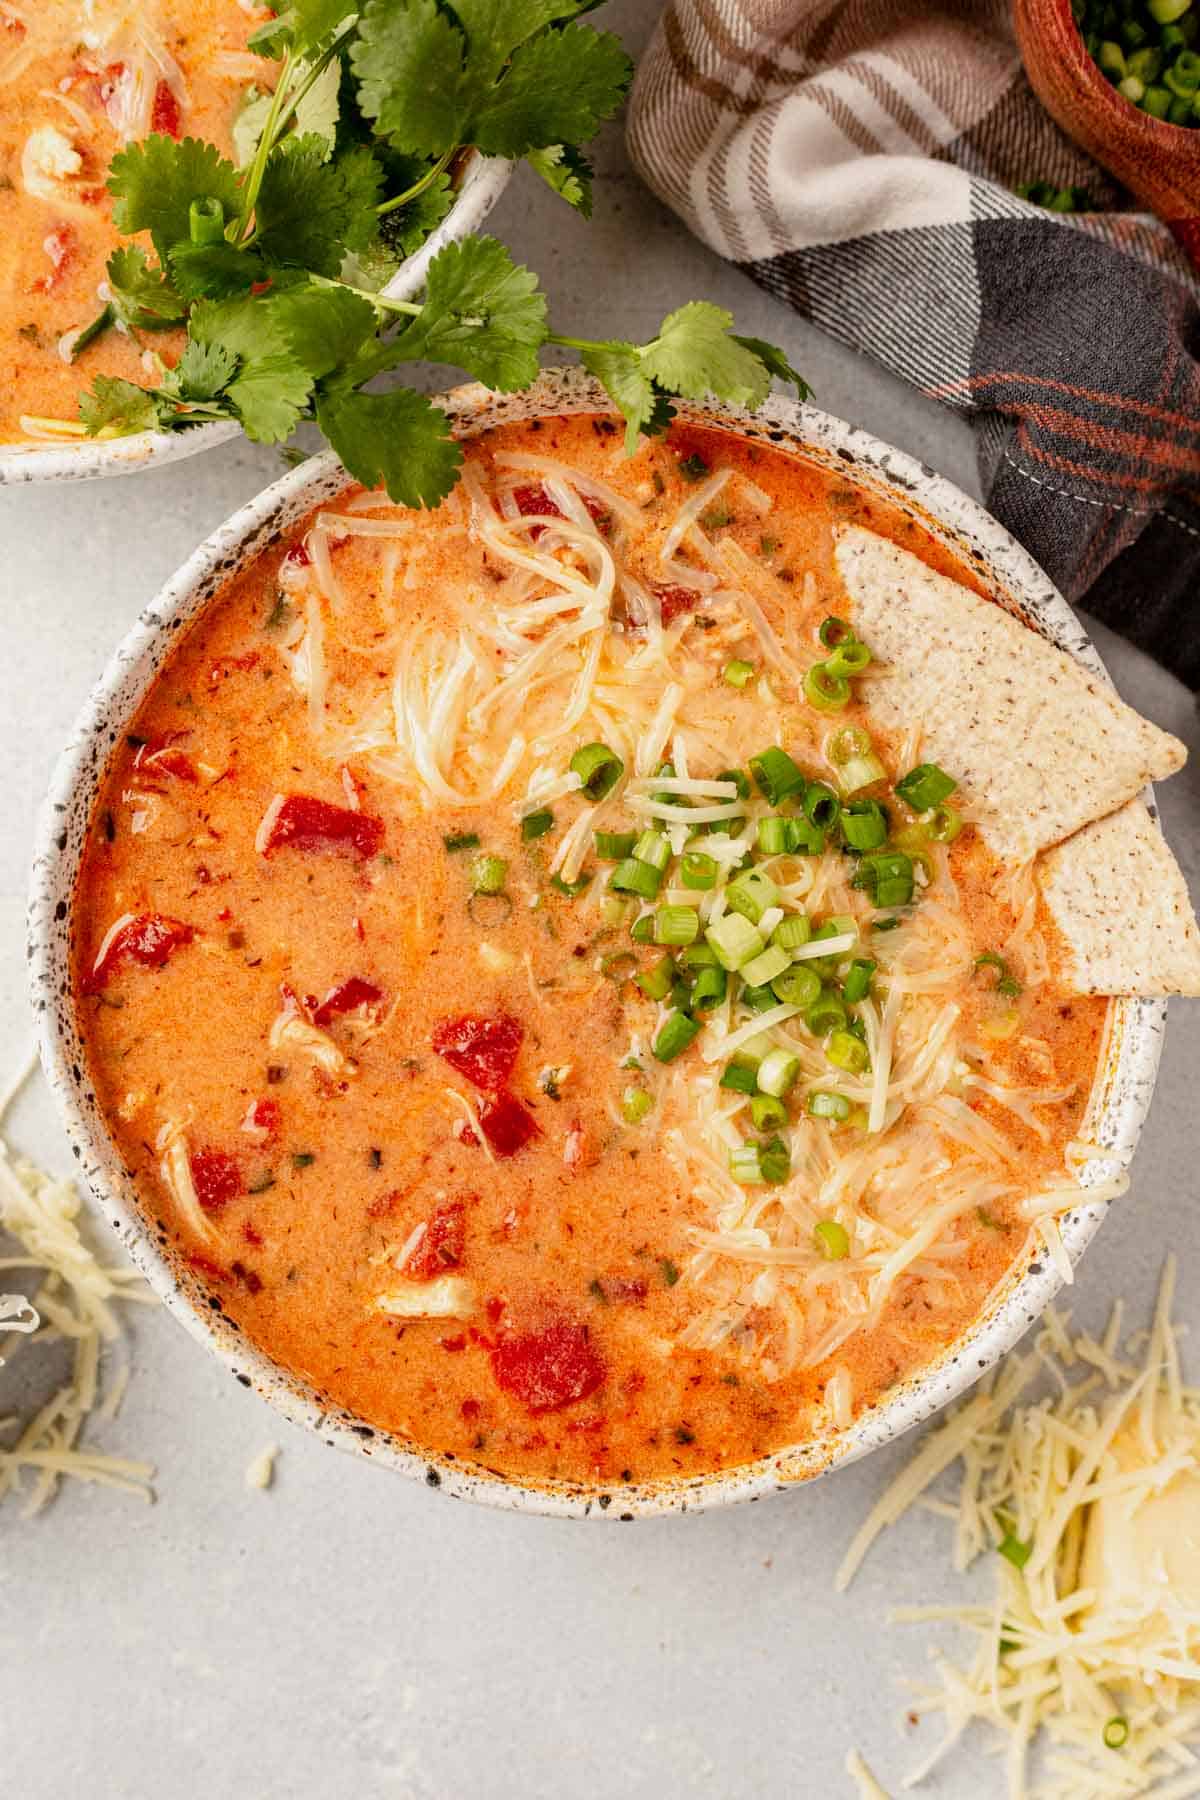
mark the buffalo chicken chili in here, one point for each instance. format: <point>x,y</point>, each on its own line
<point>543,1007</point>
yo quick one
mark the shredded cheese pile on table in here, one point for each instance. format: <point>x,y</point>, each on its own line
<point>76,1300</point>
<point>1090,1648</point>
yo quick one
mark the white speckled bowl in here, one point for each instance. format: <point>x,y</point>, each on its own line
<point>1119,1103</point>
<point>484,181</point>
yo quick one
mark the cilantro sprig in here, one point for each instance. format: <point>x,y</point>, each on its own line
<point>278,266</point>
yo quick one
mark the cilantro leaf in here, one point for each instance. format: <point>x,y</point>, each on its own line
<point>114,402</point>
<point>618,368</point>
<point>309,211</point>
<point>402,232</point>
<point>155,181</point>
<point>482,312</point>
<point>323,327</point>
<point>694,355</point>
<point>408,57</point>
<point>398,439</point>
<point>316,116</point>
<point>362,177</point>
<point>776,363</point>
<point>558,89</point>
<point>245,328</point>
<point>215,271</point>
<point>494,28</point>
<point>568,171</point>
<point>300,26</point>
<point>270,396</point>
<point>142,298</point>
<point>204,370</point>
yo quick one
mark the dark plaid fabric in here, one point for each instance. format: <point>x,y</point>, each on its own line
<point>858,159</point>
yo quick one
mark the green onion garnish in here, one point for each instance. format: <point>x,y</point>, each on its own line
<point>709,989</point>
<point>764,967</point>
<point>744,1165</point>
<point>657,981</point>
<point>1116,1733</point>
<point>857,984</point>
<point>834,631</point>
<point>750,894</point>
<point>735,939</point>
<point>943,824</point>
<point>832,1239</point>
<point>488,874</point>
<point>642,930</point>
<point>738,673</point>
<point>674,1037</point>
<point>740,780</point>
<point>777,1072</point>
<point>462,840</point>
<point>537,824</point>
<point>758,999</point>
<point>636,1104</point>
<point>864,825</point>
<point>887,876</point>
<point>668,1271</point>
<point>793,932</point>
<point>825,1014</point>
<point>740,1076</point>
<point>698,870</point>
<point>798,986</point>
<point>614,846</point>
<point>621,965</point>
<point>925,787</point>
<point>847,659</point>
<point>774,835</point>
<point>845,1051</point>
<point>822,1105</point>
<point>676,925</point>
<point>807,839</point>
<point>599,769</point>
<point>767,1112</point>
<point>775,1161</point>
<point>776,774</point>
<point>861,772</point>
<point>635,877</point>
<point>570,888</point>
<point>700,956</point>
<point>825,689</point>
<point>846,744</point>
<point>822,808</point>
<point>1014,1550</point>
<point>1006,982</point>
<point>653,848</point>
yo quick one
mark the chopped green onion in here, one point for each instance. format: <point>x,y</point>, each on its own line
<point>775,1161</point>
<point>823,1105</point>
<point>807,839</point>
<point>847,659</point>
<point>822,807</point>
<point>1014,1550</point>
<point>620,965</point>
<point>462,840</point>
<point>861,772</point>
<point>767,1112</point>
<point>599,769</point>
<point>614,846</point>
<point>698,870</point>
<point>832,1239</point>
<point>750,894</point>
<point>700,956</point>
<point>857,984</point>
<point>675,1036</point>
<point>681,994</point>
<point>738,673</point>
<point>642,930</point>
<point>825,690</point>
<point>832,928</point>
<point>676,925</point>
<point>570,888</point>
<point>798,986</point>
<point>1166,12</point>
<point>775,835</point>
<point>825,1014</point>
<point>792,932</point>
<point>669,1272</point>
<point>740,1076</point>
<point>864,824</point>
<point>776,774</point>
<point>537,824</point>
<point>846,744</point>
<point>488,874</point>
<point>744,1165</point>
<point>657,981</point>
<point>763,968</point>
<point>735,940</point>
<point>1006,982</point>
<point>710,989</point>
<point>834,631</point>
<point>636,1104</point>
<point>758,999</point>
<point>635,877</point>
<point>1116,1733</point>
<point>740,780</point>
<point>777,1072</point>
<point>925,787</point>
<point>653,848</point>
<point>1111,57</point>
<point>845,1051</point>
<point>888,876</point>
<point>943,824</point>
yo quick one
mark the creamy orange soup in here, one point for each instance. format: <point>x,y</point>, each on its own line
<point>77,83</point>
<point>376,1027</point>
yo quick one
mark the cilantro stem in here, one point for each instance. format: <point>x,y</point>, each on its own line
<point>418,187</point>
<point>313,75</point>
<point>380,300</point>
<point>266,144</point>
<point>574,343</point>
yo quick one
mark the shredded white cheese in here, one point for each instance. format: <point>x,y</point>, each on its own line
<point>261,1472</point>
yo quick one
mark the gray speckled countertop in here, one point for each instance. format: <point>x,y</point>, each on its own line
<point>350,1634</point>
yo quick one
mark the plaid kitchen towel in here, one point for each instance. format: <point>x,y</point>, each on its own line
<point>858,158</point>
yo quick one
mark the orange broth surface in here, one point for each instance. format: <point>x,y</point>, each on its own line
<point>581,1350</point>
<point>76,84</point>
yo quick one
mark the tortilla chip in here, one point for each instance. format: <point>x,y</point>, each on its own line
<point>1040,745</point>
<point>1121,906</point>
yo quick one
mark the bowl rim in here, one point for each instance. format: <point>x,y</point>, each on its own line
<point>484,180</point>
<point>1089,77</point>
<point>1121,1097</point>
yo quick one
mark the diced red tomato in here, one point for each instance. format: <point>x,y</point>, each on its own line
<point>298,556</point>
<point>673,601</point>
<point>160,757</point>
<point>262,1120</point>
<point>165,115</point>
<point>59,246</point>
<point>443,1244</point>
<point>549,1368</point>
<point>299,822</point>
<point>506,1124</point>
<point>454,1344</point>
<point>216,1178</point>
<point>204,1265</point>
<point>252,1235</point>
<point>482,1049</point>
<point>250,1279</point>
<point>469,1409</point>
<point>148,939</point>
<point>346,997</point>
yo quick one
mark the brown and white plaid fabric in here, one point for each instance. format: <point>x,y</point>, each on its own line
<point>858,159</point>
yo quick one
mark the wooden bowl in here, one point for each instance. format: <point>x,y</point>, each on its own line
<point>1156,161</point>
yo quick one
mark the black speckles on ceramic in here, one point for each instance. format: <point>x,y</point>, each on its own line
<point>1119,1101</point>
